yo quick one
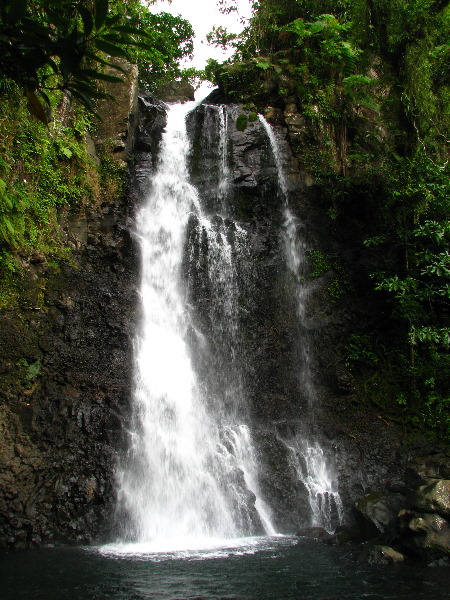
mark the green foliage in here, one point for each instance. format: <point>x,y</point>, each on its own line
<point>44,47</point>
<point>270,16</point>
<point>418,197</point>
<point>8,279</point>
<point>412,244</point>
<point>43,170</point>
<point>112,177</point>
<point>219,36</point>
<point>337,288</point>
<point>383,372</point>
<point>241,122</point>
<point>299,58</point>
<point>242,81</point>
<point>361,352</point>
<point>408,41</point>
<point>320,264</point>
<point>40,171</point>
<point>33,370</point>
<point>359,89</point>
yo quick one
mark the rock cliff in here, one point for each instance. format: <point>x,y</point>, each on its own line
<point>65,369</point>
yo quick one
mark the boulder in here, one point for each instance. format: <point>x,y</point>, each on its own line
<point>383,555</point>
<point>274,115</point>
<point>344,534</point>
<point>421,471</point>
<point>115,132</point>
<point>175,91</point>
<point>375,511</point>
<point>434,498</point>
<point>316,533</point>
<point>424,534</point>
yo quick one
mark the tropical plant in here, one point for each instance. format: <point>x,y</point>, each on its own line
<point>63,45</point>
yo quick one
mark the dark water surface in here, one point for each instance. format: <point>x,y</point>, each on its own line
<point>271,568</point>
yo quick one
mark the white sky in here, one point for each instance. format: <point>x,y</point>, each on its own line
<point>203,14</point>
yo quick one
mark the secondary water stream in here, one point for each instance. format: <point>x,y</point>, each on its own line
<point>307,456</point>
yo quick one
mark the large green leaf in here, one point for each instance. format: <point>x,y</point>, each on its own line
<point>88,21</point>
<point>132,30</point>
<point>91,74</point>
<point>83,99</point>
<point>97,58</point>
<point>60,18</point>
<point>87,90</point>
<point>112,20</point>
<point>101,12</point>
<point>111,49</point>
<point>8,224</point>
<point>37,108</point>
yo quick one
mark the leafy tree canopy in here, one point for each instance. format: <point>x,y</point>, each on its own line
<point>170,38</point>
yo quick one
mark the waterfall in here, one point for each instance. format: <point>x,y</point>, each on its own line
<point>223,151</point>
<point>317,472</point>
<point>224,249</point>
<point>191,471</point>
<point>307,457</point>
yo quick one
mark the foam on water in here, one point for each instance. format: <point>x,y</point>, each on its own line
<point>195,548</point>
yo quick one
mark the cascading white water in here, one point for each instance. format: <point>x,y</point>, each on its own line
<point>240,441</point>
<point>184,480</point>
<point>223,151</point>
<point>307,457</point>
<point>223,264</point>
<point>315,469</point>
<point>226,246</point>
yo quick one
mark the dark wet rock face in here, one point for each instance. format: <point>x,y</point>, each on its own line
<point>65,390</point>
<point>422,471</point>
<point>151,121</point>
<point>368,451</point>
